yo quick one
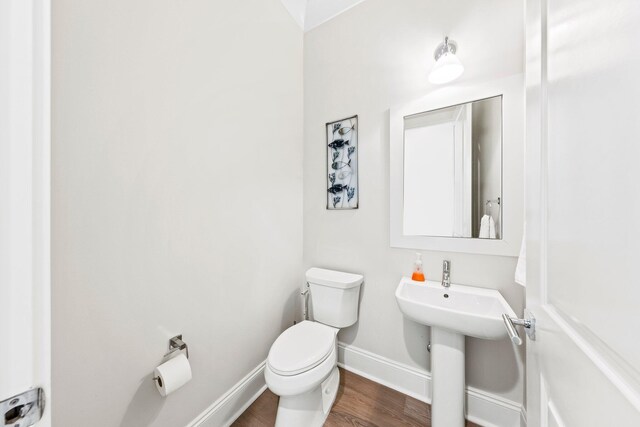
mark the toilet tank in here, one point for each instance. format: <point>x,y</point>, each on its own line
<point>334,296</point>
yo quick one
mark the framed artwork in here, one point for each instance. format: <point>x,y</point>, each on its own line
<point>342,164</point>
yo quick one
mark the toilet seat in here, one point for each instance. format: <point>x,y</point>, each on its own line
<point>301,348</point>
<point>296,385</point>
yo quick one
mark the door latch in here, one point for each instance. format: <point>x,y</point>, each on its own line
<point>22,410</point>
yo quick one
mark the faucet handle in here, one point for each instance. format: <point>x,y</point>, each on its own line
<point>446,273</point>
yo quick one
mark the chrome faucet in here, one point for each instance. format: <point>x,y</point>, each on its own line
<point>446,273</point>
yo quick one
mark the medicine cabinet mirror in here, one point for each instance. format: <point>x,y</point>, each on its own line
<point>451,187</point>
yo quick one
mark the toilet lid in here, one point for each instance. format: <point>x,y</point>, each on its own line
<point>301,347</point>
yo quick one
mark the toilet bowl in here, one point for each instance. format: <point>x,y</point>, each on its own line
<point>302,370</point>
<point>302,366</point>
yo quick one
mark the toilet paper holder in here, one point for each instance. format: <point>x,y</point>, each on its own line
<point>176,344</point>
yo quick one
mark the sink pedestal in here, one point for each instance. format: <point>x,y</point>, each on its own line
<point>453,313</point>
<point>447,378</point>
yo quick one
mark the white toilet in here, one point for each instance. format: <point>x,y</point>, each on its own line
<point>302,367</point>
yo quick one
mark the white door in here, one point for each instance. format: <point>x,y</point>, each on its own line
<point>462,171</point>
<point>24,209</point>
<point>583,212</point>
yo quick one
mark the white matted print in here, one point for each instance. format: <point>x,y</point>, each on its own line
<point>342,164</point>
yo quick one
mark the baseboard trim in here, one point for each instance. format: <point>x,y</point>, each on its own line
<point>405,379</point>
<point>523,417</point>
<point>224,411</point>
<point>483,408</point>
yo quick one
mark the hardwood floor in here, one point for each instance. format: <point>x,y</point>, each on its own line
<point>360,402</point>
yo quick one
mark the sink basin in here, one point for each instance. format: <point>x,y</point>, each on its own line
<point>471,311</point>
<point>452,313</point>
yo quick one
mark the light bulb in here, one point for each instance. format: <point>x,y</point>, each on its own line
<point>448,68</point>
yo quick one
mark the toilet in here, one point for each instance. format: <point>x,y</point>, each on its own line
<point>302,367</point>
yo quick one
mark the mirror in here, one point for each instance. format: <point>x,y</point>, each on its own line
<point>453,171</point>
<point>450,152</point>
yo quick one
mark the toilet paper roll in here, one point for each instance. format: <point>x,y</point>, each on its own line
<point>172,375</point>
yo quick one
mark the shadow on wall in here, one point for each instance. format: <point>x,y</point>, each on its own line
<point>506,379</point>
<point>145,405</point>
<point>503,381</point>
<point>416,338</point>
<point>289,313</point>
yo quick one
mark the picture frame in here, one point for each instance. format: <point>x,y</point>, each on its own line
<point>342,164</point>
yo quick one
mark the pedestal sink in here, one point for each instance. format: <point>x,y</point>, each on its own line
<point>452,313</point>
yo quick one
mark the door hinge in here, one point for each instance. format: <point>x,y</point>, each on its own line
<point>22,410</point>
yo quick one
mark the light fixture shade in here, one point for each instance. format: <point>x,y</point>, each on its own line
<point>448,68</point>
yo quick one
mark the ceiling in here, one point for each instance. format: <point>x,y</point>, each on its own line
<point>311,13</point>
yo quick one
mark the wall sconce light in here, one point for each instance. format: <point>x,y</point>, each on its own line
<point>448,67</point>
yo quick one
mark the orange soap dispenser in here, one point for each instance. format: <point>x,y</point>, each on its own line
<point>418,273</point>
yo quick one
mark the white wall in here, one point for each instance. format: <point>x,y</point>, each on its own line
<point>177,199</point>
<point>377,55</point>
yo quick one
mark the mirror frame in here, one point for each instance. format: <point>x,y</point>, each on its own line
<point>512,90</point>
